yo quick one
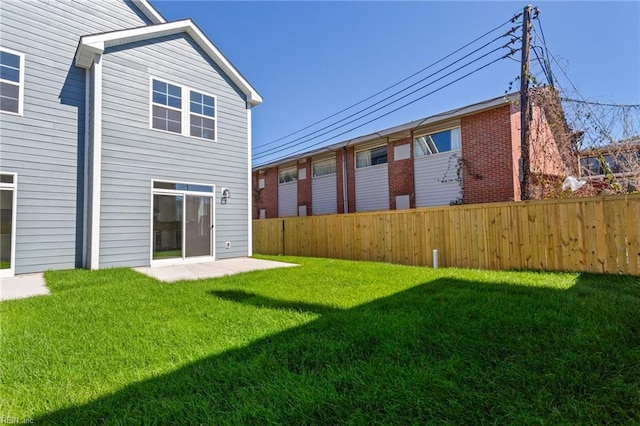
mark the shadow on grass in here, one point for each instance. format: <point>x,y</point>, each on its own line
<point>267,302</point>
<point>448,351</point>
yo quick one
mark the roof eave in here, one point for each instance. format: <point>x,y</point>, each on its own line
<point>90,45</point>
<point>448,115</point>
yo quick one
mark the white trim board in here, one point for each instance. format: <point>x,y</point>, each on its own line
<point>91,45</point>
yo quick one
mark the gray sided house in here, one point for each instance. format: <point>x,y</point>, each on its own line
<point>125,139</point>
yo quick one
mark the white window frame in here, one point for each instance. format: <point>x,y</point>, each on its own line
<point>214,118</point>
<point>324,160</point>
<point>434,133</point>
<point>185,110</point>
<point>20,83</point>
<point>286,169</point>
<point>184,193</point>
<point>14,187</point>
<point>355,157</point>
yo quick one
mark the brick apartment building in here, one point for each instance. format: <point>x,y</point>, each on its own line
<point>467,155</point>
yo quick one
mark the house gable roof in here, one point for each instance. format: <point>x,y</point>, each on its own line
<point>149,11</point>
<point>95,44</point>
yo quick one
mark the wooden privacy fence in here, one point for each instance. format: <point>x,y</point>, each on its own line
<point>597,234</point>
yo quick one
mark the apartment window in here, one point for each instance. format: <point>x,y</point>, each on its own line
<point>167,107</point>
<point>202,116</point>
<point>435,143</point>
<point>288,175</point>
<point>324,167</point>
<point>371,157</point>
<point>11,81</point>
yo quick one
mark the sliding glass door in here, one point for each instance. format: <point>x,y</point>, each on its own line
<point>7,223</point>
<point>182,221</point>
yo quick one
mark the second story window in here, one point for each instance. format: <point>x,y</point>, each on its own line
<point>289,174</point>
<point>436,143</point>
<point>179,109</point>
<point>202,116</point>
<point>371,157</point>
<point>167,107</point>
<point>11,81</point>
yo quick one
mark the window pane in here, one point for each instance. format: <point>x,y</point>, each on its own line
<point>325,167</point>
<point>6,224</point>
<point>196,121</point>
<point>6,178</point>
<point>196,108</point>
<point>196,97</point>
<point>167,226</point>
<point>208,101</point>
<point>208,134</point>
<point>174,115</point>
<point>174,126</point>
<point>12,74</point>
<point>379,155</point>
<point>9,90</point>
<point>208,123</point>
<point>196,131</point>
<point>159,123</point>
<point>159,86</point>
<point>448,140</point>
<point>9,59</point>
<point>174,102</point>
<point>159,98</point>
<point>208,111</point>
<point>159,112</point>
<point>175,91</point>
<point>287,175</point>
<point>8,104</point>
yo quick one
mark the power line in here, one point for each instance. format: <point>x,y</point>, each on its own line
<point>512,20</point>
<point>398,108</point>
<point>578,101</point>
<point>271,150</point>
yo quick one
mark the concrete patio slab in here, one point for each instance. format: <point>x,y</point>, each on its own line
<point>22,286</point>
<point>219,268</point>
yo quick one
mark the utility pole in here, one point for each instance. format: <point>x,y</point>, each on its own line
<point>525,163</point>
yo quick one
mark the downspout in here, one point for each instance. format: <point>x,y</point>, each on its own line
<point>344,180</point>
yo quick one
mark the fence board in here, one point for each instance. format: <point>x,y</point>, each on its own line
<point>598,234</point>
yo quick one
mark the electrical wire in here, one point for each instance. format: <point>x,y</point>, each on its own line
<point>512,20</point>
<point>398,108</point>
<point>578,101</point>
<point>271,150</point>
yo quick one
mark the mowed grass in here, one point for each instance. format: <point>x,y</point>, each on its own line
<point>328,342</point>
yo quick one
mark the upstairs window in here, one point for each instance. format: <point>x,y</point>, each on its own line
<point>167,107</point>
<point>371,157</point>
<point>324,167</point>
<point>287,175</point>
<point>436,143</point>
<point>202,116</point>
<point>11,81</point>
<point>179,109</point>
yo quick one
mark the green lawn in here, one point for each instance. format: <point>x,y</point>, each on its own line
<point>325,343</point>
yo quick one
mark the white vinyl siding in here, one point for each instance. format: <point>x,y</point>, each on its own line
<point>372,188</point>
<point>324,195</point>
<point>436,168</point>
<point>288,199</point>
<point>436,179</point>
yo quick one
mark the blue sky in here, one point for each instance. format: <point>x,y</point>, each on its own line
<point>311,59</point>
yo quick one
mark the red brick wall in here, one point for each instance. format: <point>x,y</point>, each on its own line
<point>351,179</point>
<point>267,197</point>
<point>304,186</point>
<point>400,174</point>
<point>487,151</point>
